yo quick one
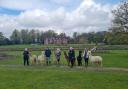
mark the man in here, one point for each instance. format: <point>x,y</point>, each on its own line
<point>26,57</point>
<point>48,55</point>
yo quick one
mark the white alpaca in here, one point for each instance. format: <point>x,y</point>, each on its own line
<point>41,58</point>
<point>33,59</point>
<point>95,59</point>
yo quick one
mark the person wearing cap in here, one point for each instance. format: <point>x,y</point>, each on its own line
<point>26,57</point>
<point>48,55</point>
<point>58,54</point>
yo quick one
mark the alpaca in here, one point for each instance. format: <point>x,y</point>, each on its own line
<point>79,58</point>
<point>66,57</point>
<point>33,59</point>
<point>95,59</point>
<point>41,58</point>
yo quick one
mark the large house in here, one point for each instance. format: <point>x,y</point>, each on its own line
<point>57,41</point>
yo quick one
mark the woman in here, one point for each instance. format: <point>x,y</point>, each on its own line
<point>26,57</point>
<point>86,57</point>
<point>58,54</point>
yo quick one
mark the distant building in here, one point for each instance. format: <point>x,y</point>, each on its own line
<point>57,41</point>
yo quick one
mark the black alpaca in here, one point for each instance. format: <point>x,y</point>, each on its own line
<point>79,58</point>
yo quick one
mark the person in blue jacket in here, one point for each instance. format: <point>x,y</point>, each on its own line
<point>48,55</point>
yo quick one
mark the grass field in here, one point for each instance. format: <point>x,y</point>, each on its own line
<point>112,58</point>
<point>13,75</point>
<point>33,78</point>
<point>77,46</point>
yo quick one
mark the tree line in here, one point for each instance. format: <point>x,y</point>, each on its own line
<point>25,36</point>
<point>116,34</point>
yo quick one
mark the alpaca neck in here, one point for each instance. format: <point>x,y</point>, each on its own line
<point>90,56</point>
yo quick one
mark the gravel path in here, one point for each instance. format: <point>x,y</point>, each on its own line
<point>63,67</point>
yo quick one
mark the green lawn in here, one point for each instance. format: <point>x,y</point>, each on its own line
<point>113,58</point>
<point>78,46</point>
<point>13,75</point>
<point>35,78</point>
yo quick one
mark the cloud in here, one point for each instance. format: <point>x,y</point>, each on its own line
<point>62,2</point>
<point>87,17</point>
<point>34,4</point>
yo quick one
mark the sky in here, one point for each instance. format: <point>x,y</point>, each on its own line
<point>60,15</point>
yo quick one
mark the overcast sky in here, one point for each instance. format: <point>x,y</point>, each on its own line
<point>60,15</point>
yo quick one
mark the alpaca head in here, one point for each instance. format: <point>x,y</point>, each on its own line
<point>89,53</point>
<point>65,53</point>
<point>43,52</point>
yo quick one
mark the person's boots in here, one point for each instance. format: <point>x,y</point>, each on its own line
<point>71,64</point>
<point>47,62</point>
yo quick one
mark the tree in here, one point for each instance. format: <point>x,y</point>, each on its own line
<point>7,41</point>
<point>24,36</point>
<point>2,38</point>
<point>15,37</point>
<point>62,35</point>
<point>32,36</point>
<point>75,37</point>
<point>118,33</point>
<point>38,36</point>
<point>120,21</point>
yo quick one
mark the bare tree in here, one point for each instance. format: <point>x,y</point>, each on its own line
<point>120,21</point>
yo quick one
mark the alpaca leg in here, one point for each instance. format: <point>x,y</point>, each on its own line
<point>68,63</point>
<point>101,65</point>
<point>80,63</point>
<point>31,62</point>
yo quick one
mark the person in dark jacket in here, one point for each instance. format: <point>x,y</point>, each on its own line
<point>48,55</point>
<point>79,58</point>
<point>71,55</point>
<point>26,57</point>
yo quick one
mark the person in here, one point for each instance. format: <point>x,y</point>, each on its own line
<point>86,57</point>
<point>94,49</point>
<point>71,55</point>
<point>79,59</point>
<point>26,57</point>
<point>74,59</point>
<point>48,55</point>
<point>58,55</point>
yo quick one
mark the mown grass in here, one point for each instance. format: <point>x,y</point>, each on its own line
<point>44,46</point>
<point>115,58</point>
<point>61,79</point>
<point>13,75</point>
<point>112,58</point>
<point>52,46</point>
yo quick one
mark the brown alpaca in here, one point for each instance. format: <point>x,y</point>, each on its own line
<point>66,57</point>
